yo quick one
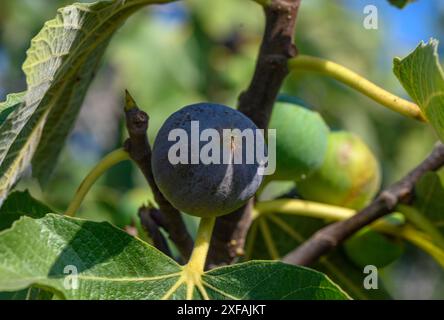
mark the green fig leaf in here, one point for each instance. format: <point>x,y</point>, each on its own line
<point>428,201</point>
<point>107,263</point>
<point>422,77</point>
<point>18,204</point>
<point>60,65</point>
<point>429,195</point>
<point>273,235</point>
<point>27,294</point>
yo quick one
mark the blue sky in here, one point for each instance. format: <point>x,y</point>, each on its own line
<point>404,29</point>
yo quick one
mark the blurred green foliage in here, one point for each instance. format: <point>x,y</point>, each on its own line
<point>183,53</point>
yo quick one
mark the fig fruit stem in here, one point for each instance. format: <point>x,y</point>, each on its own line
<point>192,272</point>
<point>357,82</point>
<point>201,245</point>
<point>106,163</point>
<point>335,213</point>
<point>302,208</point>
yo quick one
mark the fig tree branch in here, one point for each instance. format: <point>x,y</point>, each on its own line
<point>272,64</point>
<point>328,238</point>
<point>152,229</point>
<point>140,151</point>
<point>357,82</point>
<point>257,103</point>
<point>334,213</point>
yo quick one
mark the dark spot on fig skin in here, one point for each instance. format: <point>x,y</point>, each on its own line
<point>199,189</point>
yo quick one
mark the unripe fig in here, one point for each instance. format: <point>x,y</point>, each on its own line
<point>369,247</point>
<point>301,141</point>
<point>196,168</point>
<point>350,175</point>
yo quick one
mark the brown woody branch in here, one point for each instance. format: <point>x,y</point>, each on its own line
<point>257,103</point>
<point>152,229</point>
<point>140,151</point>
<point>328,238</point>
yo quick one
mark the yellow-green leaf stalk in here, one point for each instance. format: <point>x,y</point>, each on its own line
<point>357,82</point>
<point>106,163</point>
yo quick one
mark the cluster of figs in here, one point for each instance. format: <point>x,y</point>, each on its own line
<point>332,167</point>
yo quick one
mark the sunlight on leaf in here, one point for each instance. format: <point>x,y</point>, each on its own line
<point>113,265</point>
<point>421,75</point>
<point>60,65</point>
<point>13,101</point>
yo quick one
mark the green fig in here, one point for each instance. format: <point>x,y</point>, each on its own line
<point>301,141</point>
<point>368,247</point>
<point>349,177</point>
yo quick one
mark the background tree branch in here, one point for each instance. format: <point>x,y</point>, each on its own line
<point>328,238</point>
<point>257,103</point>
<point>140,151</point>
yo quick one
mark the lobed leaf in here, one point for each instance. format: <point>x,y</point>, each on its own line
<point>421,75</point>
<point>113,265</point>
<point>60,65</point>
<point>18,204</point>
